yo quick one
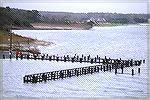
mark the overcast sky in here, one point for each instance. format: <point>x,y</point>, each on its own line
<point>83,7</point>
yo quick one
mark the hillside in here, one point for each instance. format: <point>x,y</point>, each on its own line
<point>98,17</point>
<point>12,18</point>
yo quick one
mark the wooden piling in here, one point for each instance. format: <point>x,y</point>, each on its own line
<point>91,61</point>
<point>80,60</point>
<point>115,70</point>
<point>24,80</point>
<point>131,62</point>
<point>82,55</point>
<point>28,56</point>
<point>143,61</point>
<point>104,68</point>
<point>122,70</point>
<point>107,67</point>
<point>72,60</point>
<point>132,72</point>
<point>50,58</point>
<point>57,59</point>
<point>95,59</point>
<point>99,59</point>
<point>85,58</point>
<point>101,67</point>
<point>10,56</point>
<point>110,68</point>
<point>21,56</point>
<point>139,70</point>
<point>3,56</point>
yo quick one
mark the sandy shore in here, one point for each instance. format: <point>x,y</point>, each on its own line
<point>60,26</point>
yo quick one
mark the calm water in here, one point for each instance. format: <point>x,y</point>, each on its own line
<point>124,42</point>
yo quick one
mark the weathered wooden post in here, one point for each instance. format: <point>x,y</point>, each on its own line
<point>139,70</point>
<point>77,73</point>
<point>110,67</point>
<point>82,55</point>
<point>10,56</point>
<point>24,81</point>
<point>85,58</point>
<point>65,59</point>
<point>131,62</point>
<point>34,57</point>
<point>107,67</point>
<point>34,79</point>
<point>105,58</point>
<point>28,56</point>
<point>47,56</point>
<point>80,60</point>
<point>122,69</point>
<point>104,68</point>
<point>4,56</point>
<point>44,77</point>
<point>95,59</point>
<point>42,57</point>
<point>16,57</point>
<point>21,56</point>
<point>92,70</point>
<point>91,61</point>
<point>77,57</point>
<point>61,75</point>
<point>97,70</point>
<point>50,58</point>
<point>57,59</point>
<point>67,56</point>
<point>88,70</point>
<point>60,58</point>
<point>115,70</point>
<point>88,57</point>
<point>144,61</point>
<point>101,67</point>
<point>72,60</point>
<point>132,72</point>
<point>99,59</point>
<point>67,73</point>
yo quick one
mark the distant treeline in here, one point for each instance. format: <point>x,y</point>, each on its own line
<point>11,17</point>
<point>81,17</point>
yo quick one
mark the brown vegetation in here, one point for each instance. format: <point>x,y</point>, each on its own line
<point>21,43</point>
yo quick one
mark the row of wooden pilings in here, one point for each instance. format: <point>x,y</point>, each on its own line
<point>68,73</point>
<point>105,64</point>
<point>83,59</point>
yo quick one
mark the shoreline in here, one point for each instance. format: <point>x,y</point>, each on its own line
<point>21,43</point>
<point>45,26</point>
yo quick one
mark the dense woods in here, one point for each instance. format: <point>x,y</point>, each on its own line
<point>16,17</point>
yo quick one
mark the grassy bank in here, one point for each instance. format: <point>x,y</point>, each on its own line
<point>19,42</point>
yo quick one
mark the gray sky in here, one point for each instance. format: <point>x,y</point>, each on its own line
<point>81,6</point>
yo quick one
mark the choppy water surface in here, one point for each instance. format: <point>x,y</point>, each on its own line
<point>126,42</point>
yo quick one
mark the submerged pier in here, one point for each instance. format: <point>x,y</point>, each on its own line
<point>103,64</point>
